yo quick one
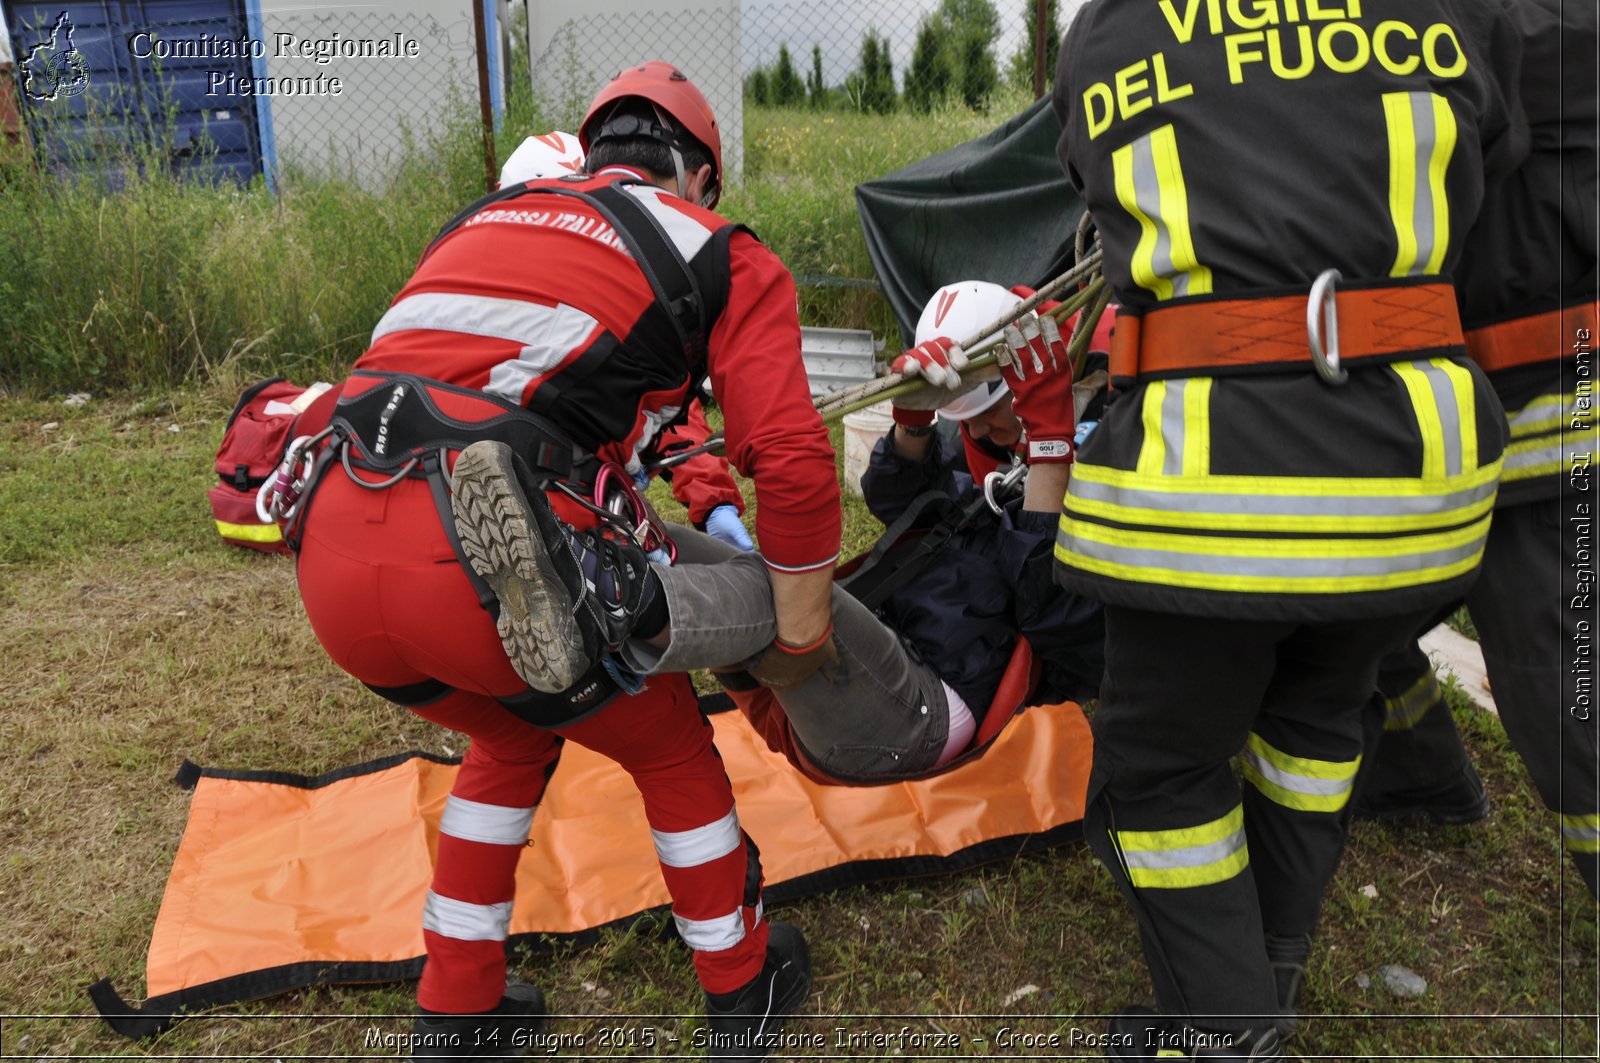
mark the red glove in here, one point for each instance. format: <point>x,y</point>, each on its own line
<point>939,361</point>
<point>1035,366</point>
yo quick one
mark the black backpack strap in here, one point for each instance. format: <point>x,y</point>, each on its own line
<point>670,277</point>
<point>897,559</point>
<point>657,257</point>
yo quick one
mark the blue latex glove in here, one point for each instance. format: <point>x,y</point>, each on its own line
<point>723,523</point>
<point>1084,428</point>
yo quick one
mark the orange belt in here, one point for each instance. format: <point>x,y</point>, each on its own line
<point>1218,335</point>
<point>1538,338</point>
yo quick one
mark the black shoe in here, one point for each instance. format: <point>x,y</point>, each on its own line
<point>507,1032</point>
<point>1456,801</point>
<point>566,597</point>
<point>745,1023</point>
<point>1288,955</point>
<point>1138,1033</point>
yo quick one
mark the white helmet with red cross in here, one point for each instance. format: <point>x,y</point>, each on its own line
<point>553,154</point>
<point>957,311</point>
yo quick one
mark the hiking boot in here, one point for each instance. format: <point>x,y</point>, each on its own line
<point>507,1032</point>
<point>1456,801</point>
<point>1288,955</point>
<point>1139,1033</point>
<point>745,1023</point>
<point>566,597</point>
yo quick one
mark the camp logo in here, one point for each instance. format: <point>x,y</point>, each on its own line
<point>947,299</point>
<point>54,68</point>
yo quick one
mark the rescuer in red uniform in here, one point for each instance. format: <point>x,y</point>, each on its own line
<point>573,319</point>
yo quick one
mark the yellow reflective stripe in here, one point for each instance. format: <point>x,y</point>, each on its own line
<point>1444,145</point>
<point>1197,426</point>
<point>1547,413</point>
<point>1186,856</point>
<point>1175,210</point>
<point>1153,451</point>
<point>1403,712</point>
<point>1293,504</point>
<point>1402,179</point>
<point>1466,409</point>
<point>1428,423</point>
<point>1299,783</point>
<point>1270,566</point>
<point>255,533</point>
<point>1422,138</point>
<point>1580,833</point>
<point>1527,459</point>
<point>1149,184</point>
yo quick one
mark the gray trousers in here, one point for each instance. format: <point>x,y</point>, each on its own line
<point>879,713</point>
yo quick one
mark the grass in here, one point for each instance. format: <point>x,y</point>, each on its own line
<point>135,639</point>
<point>163,284</point>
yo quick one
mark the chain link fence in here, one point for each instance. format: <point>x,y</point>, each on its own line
<point>916,55</point>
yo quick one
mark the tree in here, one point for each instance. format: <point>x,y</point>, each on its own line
<point>968,29</point>
<point>928,77</point>
<point>784,83</point>
<point>871,85</point>
<point>1021,73</point>
<point>814,86</point>
<point>978,73</point>
<point>756,87</point>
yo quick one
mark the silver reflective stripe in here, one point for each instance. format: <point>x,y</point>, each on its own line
<point>1556,455</point>
<point>490,824</point>
<point>517,320</point>
<point>1300,784</point>
<point>1580,833</point>
<point>1422,203</point>
<point>1269,565</point>
<point>1187,856</point>
<point>1444,399</point>
<point>1174,432</point>
<point>1245,504</point>
<point>686,234</point>
<point>466,922</point>
<point>1147,194</point>
<point>691,848</point>
<point>714,935</point>
<point>1544,414</point>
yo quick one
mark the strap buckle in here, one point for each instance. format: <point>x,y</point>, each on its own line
<point>1322,317</point>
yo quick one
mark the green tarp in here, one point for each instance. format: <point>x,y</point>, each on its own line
<point>998,208</point>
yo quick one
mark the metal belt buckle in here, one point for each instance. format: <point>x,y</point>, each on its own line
<point>614,492</point>
<point>1321,307</point>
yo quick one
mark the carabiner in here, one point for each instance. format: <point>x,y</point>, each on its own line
<point>1321,307</point>
<point>279,496</point>
<point>616,494</point>
<point>1004,480</point>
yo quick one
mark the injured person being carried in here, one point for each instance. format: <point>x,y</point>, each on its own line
<point>952,617</point>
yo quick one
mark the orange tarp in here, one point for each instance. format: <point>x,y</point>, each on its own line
<point>335,870</point>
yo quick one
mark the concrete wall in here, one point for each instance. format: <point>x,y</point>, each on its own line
<point>577,45</point>
<point>364,126</point>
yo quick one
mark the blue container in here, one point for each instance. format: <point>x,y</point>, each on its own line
<point>105,83</point>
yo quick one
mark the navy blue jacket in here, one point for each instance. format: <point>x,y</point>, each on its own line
<point>963,612</point>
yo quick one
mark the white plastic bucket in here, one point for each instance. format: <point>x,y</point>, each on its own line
<point>862,430</point>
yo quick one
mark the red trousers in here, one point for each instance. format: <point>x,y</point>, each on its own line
<point>392,606</point>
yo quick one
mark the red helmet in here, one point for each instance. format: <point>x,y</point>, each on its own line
<point>665,86</point>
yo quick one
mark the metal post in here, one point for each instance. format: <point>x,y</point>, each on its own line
<point>485,108</point>
<point>1041,18</point>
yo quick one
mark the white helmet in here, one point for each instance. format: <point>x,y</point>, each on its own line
<point>553,154</point>
<point>957,311</point>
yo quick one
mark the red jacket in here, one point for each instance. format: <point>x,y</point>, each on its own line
<point>537,301</point>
